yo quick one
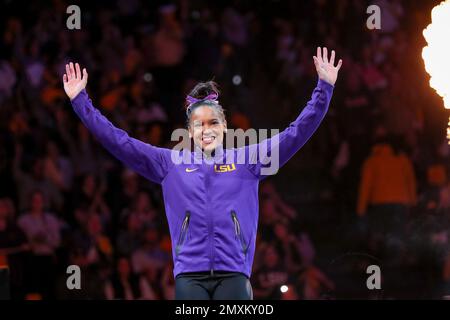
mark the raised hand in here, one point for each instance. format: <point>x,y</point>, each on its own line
<point>73,80</point>
<point>326,69</point>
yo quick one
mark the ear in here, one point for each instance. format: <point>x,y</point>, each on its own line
<point>225,129</point>
<point>190,133</point>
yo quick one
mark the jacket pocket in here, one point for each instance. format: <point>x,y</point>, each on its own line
<point>238,232</point>
<point>183,233</point>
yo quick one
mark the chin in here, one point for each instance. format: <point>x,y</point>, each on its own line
<point>209,147</point>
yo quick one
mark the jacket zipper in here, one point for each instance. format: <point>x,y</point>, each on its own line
<point>238,232</point>
<point>183,232</point>
<point>210,225</point>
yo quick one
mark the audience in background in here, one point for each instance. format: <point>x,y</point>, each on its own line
<point>350,189</point>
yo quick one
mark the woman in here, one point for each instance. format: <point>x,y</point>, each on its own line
<point>212,213</point>
<point>43,231</point>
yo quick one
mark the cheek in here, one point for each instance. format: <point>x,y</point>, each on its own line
<point>197,133</point>
<point>192,132</point>
<point>220,133</point>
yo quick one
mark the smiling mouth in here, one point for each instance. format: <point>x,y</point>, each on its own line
<point>208,140</point>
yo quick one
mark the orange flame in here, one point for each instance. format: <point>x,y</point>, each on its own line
<point>436,55</point>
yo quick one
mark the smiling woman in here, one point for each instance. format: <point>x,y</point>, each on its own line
<point>211,208</point>
<point>205,116</point>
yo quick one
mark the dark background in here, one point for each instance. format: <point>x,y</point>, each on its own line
<point>142,58</point>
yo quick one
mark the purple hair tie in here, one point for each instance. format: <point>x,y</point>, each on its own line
<point>212,96</point>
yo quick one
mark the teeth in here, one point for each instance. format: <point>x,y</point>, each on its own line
<point>208,139</point>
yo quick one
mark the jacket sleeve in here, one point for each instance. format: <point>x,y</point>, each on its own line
<point>151,162</point>
<point>266,157</point>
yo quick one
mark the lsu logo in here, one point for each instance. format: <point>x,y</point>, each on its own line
<point>224,167</point>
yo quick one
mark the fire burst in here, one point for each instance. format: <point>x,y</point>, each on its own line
<point>437,54</point>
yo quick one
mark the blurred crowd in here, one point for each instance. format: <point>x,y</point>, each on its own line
<point>370,187</point>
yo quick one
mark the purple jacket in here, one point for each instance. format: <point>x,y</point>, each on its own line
<point>211,207</point>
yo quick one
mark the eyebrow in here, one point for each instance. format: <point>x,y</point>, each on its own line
<point>213,119</point>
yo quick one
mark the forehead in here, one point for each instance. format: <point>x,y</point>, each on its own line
<point>203,113</point>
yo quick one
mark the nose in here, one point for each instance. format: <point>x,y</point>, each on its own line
<point>206,129</point>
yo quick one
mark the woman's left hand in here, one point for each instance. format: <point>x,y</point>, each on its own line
<point>326,69</point>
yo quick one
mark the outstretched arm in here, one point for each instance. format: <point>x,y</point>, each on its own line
<point>149,161</point>
<point>268,156</point>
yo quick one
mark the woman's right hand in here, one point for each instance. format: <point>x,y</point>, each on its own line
<point>73,80</point>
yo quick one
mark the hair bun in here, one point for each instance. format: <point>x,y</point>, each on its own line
<point>202,91</point>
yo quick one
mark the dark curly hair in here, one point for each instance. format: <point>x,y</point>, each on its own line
<point>200,94</point>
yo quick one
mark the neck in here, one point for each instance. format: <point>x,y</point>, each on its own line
<point>208,154</point>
